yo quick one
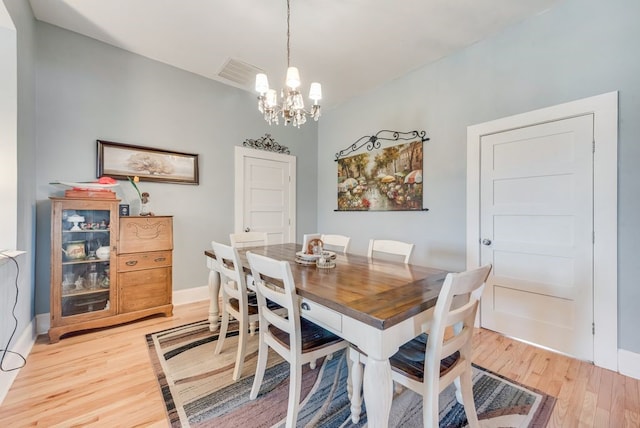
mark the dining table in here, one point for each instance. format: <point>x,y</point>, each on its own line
<point>377,305</point>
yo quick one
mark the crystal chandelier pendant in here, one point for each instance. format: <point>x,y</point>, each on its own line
<point>291,105</point>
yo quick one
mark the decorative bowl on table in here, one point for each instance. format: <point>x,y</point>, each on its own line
<point>313,259</point>
<point>325,261</point>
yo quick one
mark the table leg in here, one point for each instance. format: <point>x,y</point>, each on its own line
<point>214,290</point>
<point>378,392</point>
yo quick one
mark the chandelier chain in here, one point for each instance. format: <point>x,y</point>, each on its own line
<point>288,34</point>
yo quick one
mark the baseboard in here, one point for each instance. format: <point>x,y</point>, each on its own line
<point>191,295</point>
<point>43,322</point>
<point>629,363</point>
<point>22,346</point>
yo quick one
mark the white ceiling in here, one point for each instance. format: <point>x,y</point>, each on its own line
<point>350,46</point>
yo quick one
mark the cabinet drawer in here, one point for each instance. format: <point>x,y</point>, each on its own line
<point>138,261</point>
<point>145,234</point>
<point>320,315</point>
<point>144,289</point>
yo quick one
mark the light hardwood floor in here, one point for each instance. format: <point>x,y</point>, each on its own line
<point>104,379</point>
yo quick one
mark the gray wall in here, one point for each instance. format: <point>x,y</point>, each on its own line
<point>578,49</point>
<point>88,90</point>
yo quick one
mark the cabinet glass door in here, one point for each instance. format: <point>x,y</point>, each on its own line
<point>86,247</point>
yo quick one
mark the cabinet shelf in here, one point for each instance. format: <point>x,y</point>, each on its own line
<point>86,231</point>
<point>84,292</point>
<point>84,261</point>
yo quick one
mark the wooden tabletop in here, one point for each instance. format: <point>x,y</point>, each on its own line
<point>378,293</point>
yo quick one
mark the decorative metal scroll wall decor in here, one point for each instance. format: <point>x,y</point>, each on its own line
<point>266,143</point>
<point>382,179</point>
<point>373,141</point>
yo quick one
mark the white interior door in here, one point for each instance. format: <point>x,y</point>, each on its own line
<point>536,228</point>
<point>265,194</point>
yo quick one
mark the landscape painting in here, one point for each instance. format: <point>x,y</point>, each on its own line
<point>385,179</point>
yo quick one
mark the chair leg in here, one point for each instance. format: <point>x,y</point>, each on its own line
<point>430,408</point>
<point>295,385</point>
<point>252,328</point>
<point>459,398</point>
<point>263,351</point>
<point>466,387</point>
<point>355,385</point>
<point>223,331</point>
<point>242,346</point>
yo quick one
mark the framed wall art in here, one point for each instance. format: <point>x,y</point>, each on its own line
<point>120,161</point>
<point>382,178</point>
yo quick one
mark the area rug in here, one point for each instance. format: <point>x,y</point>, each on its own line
<point>199,392</point>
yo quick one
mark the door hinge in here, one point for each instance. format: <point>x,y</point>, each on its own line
<point>593,328</point>
<point>593,147</point>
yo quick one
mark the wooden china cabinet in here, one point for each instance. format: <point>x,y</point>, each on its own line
<point>106,269</point>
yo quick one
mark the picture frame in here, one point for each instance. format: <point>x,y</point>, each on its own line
<point>382,179</point>
<point>119,161</point>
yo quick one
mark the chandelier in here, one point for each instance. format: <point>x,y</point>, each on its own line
<point>290,105</point>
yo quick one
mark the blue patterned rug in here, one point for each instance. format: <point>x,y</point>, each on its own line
<point>199,392</point>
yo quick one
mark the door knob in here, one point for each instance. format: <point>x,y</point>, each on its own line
<point>246,229</point>
<point>486,241</point>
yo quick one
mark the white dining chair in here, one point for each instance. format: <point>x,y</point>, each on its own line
<point>248,239</point>
<point>442,354</point>
<point>237,301</point>
<point>392,247</point>
<point>336,242</point>
<point>295,339</point>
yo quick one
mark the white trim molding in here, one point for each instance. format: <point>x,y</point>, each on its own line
<point>191,295</point>
<point>43,323</point>
<point>629,363</point>
<point>23,347</point>
<point>605,198</point>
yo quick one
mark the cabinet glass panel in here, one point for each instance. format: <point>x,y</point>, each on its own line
<point>86,244</point>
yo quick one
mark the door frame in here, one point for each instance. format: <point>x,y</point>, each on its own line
<point>605,206</point>
<point>239,155</point>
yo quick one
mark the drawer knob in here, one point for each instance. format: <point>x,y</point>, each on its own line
<point>132,263</point>
<point>160,259</point>
<point>305,306</point>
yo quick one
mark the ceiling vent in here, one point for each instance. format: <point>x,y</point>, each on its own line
<point>239,72</point>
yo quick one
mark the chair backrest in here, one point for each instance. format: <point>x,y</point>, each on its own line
<point>230,267</point>
<point>336,242</point>
<point>456,308</point>
<point>248,239</point>
<point>390,247</point>
<point>274,281</point>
